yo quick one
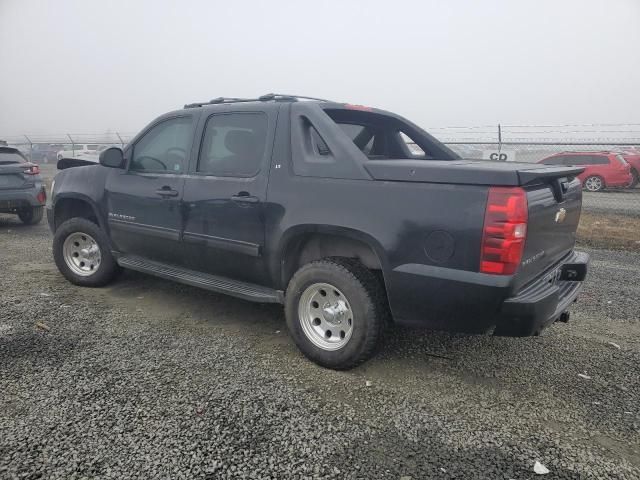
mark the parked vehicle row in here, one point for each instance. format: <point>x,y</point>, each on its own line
<point>76,150</point>
<point>22,191</point>
<point>603,169</point>
<point>42,153</point>
<point>45,153</point>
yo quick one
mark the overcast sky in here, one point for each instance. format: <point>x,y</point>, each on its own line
<point>89,66</point>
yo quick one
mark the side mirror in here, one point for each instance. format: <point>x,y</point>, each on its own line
<point>112,157</point>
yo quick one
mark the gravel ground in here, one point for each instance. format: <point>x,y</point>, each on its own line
<point>149,379</point>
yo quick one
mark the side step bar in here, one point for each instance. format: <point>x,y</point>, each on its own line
<point>246,291</point>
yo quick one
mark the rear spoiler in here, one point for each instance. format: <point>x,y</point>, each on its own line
<point>529,176</point>
<point>73,162</point>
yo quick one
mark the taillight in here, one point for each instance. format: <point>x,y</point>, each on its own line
<point>505,230</point>
<point>42,196</point>
<point>32,170</point>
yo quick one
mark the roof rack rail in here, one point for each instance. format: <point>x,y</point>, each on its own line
<point>288,98</point>
<point>276,97</point>
<point>219,100</point>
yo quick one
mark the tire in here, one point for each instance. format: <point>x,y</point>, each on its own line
<point>31,215</point>
<point>594,183</point>
<point>636,178</point>
<point>78,260</point>
<point>357,323</point>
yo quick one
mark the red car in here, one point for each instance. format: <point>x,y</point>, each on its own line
<point>602,169</point>
<point>632,156</point>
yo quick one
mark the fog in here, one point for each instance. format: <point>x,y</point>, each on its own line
<point>91,66</point>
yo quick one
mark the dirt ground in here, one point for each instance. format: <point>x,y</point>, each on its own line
<point>610,230</point>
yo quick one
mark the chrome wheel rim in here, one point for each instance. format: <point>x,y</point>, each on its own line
<point>325,316</point>
<point>593,184</point>
<point>82,254</point>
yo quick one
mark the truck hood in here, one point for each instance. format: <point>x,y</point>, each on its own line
<point>469,172</point>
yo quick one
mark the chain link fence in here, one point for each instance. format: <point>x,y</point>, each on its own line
<point>48,148</point>
<point>611,209</point>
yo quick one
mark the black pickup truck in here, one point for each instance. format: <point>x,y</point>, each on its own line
<point>352,217</point>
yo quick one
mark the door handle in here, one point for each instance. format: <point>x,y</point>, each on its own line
<point>167,191</point>
<point>244,197</point>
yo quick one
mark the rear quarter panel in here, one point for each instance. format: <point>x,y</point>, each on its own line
<point>419,231</point>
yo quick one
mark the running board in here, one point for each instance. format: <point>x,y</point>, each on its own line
<point>246,291</point>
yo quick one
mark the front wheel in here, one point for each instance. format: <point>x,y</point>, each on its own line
<point>31,215</point>
<point>594,183</point>
<point>335,310</point>
<point>82,253</point>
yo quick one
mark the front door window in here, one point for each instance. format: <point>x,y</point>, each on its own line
<point>165,148</point>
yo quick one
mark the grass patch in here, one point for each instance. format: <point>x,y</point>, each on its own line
<point>611,231</point>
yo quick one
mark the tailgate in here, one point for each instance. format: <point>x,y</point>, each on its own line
<point>554,212</point>
<point>12,176</point>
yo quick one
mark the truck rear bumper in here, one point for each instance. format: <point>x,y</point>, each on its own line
<point>445,299</point>
<point>543,302</point>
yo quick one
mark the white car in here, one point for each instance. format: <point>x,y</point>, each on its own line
<point>79,150</point>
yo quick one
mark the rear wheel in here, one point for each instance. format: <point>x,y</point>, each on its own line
<point>594,183</point>
<point>335,311</point>
<point>82,253</point>
<point>31,215</point>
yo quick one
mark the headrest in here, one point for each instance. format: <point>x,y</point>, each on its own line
<point>240,142</point>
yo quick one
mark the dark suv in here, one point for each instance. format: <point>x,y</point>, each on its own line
<point>21,189</point>
<point>352,217</point>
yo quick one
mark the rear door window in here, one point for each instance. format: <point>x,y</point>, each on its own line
<point>233,144</point>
